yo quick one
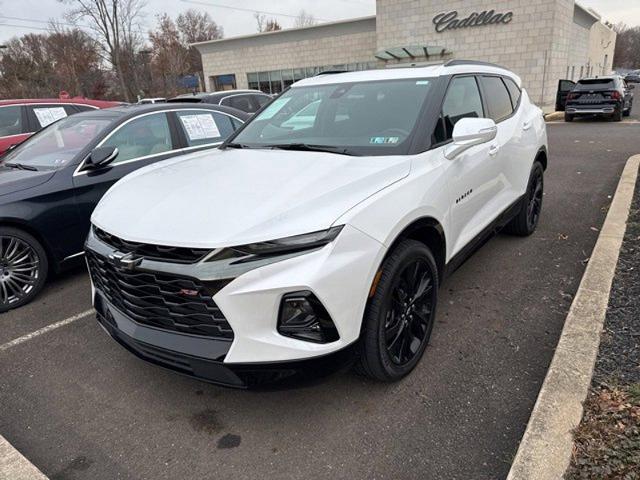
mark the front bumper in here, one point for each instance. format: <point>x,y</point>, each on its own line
<point>339,274</point>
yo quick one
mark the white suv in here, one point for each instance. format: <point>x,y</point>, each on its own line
<point>318,230</point>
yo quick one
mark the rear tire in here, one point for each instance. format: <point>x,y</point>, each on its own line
<point>617,115</point>
<point>627,112</point>
<point>526,221</point>
<point>568,117</point>
<point>400,315</point>
<point>23,268</point>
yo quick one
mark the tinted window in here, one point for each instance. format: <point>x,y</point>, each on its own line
<point>241,102</point>
<point>147,135</point>
<point>514,91</point>
<point>47,114</point>
<point>262,100</point>
<point>498,98</point>
<point>461,101</point>
<point>10,121</point>
<point>83,108</point>
<point>201,127</point>
<point>595,83</point>
<point>58,144</point>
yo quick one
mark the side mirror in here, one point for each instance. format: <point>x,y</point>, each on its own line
<point>100,157</point>
<point>470,132</point>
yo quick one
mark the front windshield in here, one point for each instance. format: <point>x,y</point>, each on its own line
<point>361,118</point>
<point>57,144</point>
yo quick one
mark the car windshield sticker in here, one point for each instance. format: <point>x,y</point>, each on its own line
<point>384,140</point>
<point>47,116</point>
<point>274,108</point>
<point>200,126</point>
<point>422,82</point>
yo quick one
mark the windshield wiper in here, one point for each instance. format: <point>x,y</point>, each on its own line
<point>21,166</point>
<point>312,148</point>
<point>235,145</point>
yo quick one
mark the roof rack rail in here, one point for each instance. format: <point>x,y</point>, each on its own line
<point>454,63</point>
<point>329,72</point>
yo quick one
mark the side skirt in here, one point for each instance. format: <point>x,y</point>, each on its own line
<point>483,237</point>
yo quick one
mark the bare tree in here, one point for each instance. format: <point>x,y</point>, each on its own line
<point>196,27</point>
<point>170,58</point>
<point>627,52</point>
<point>261,18</point>
<point>272,25</point>
<point>114,23</point>
<point>304,19</point>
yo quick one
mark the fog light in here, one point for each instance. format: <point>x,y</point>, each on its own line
<point>302,316</point>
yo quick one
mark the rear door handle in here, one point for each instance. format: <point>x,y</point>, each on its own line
<point>493,149</point>
<point>526,125</point>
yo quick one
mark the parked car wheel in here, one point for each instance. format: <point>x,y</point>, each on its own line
<point>23,268</point>
<point>627,112</point>
<point>568,117</point>
<point>617,115</point>
<point>526,222</point>
<point>399,317</point>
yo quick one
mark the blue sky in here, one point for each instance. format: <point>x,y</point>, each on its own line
<point>33,15</point>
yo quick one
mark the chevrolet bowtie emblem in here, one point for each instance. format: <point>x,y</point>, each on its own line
<point>125,261</point>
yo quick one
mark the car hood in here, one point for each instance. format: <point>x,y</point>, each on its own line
<point>233,197</point>
<point>13,180</point>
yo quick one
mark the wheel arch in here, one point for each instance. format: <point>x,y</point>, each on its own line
<point>542,157</point>
<point>429,231</point>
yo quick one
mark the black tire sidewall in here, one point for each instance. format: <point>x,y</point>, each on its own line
<point>405,253</point>
<point>43,265</point>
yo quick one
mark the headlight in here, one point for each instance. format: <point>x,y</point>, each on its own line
<point>291,244</point>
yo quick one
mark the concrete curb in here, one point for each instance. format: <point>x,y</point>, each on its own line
<point>554,116</point>
<point>14,466</point>
<point>545,450</point>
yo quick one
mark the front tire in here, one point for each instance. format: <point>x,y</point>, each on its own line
<point>526,221</point>
<point>617,115</point>
<point>23,268</point>
<point>400,315</point>
<point>568,117</point>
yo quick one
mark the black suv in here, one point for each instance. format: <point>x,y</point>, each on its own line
<point>610,96</point>
<point>249,101</point>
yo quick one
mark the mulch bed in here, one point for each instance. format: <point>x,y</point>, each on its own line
<point>607,441</point>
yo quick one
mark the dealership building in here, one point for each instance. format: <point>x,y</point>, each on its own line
<point>543,41</point>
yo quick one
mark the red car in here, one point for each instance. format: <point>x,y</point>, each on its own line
<point>21,118</point>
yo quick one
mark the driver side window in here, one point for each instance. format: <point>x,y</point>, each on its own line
<point>462,100</point>
<point>144,136</point>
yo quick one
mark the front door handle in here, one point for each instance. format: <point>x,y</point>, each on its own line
<point>493,149</point>
<point>526,125</point>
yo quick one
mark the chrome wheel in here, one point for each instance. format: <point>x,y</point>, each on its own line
<point>19,270</point>
<point>410,313</point>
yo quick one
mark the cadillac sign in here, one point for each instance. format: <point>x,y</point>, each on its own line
<point>451,21</point>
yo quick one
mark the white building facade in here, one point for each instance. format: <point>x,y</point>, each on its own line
<point>543,41</point>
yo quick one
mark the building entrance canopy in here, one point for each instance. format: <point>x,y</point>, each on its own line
<point>412,52</point>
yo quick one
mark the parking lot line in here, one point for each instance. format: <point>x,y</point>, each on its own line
<point>46,329</point>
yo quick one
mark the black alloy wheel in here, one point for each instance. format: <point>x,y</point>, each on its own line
<point>527,218</point>
<point>23,268</point>
<point>401,312</point>
<point>534,208</point>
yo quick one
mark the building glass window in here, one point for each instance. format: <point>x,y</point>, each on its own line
<point>223,82</point>
<point>252,81</point>
<point>276,81</point>
<point>264,84</point>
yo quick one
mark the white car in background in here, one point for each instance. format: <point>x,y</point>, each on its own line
<point>290,245</point>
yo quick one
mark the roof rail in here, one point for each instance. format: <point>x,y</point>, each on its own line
<point>454,63</point>
<point>329,72</point>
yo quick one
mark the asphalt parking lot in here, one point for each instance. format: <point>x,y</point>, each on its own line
<point>79,406</point>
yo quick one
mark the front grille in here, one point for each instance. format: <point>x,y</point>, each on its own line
<point>151,251</point>
<point>160,300</point>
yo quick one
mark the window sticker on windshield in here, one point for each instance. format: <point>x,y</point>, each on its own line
<point>274,108</point>
<point>422,82</point>
<point>200,126</point>
<point>384,140</point>
<point>47,116</point>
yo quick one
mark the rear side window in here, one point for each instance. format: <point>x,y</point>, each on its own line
<point>514,92</point>
<point>10,121</point>
<point>262,100</point>
<point>498,98</point>
<point>241,102</point>
<point>201,127</point>
<point>461,101</point>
